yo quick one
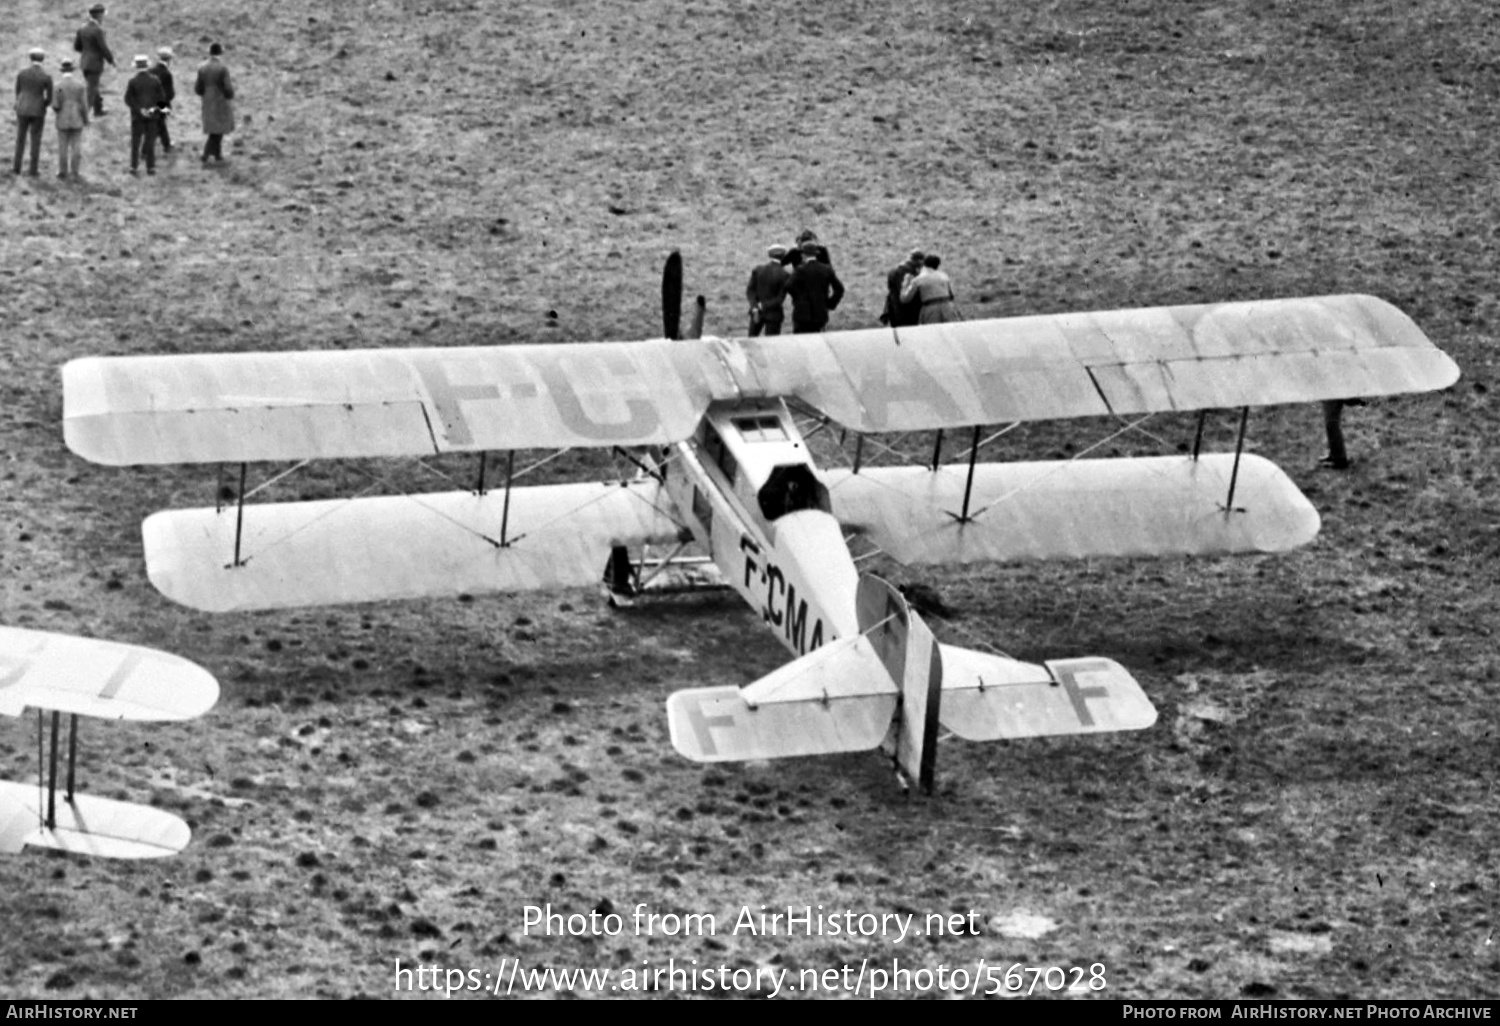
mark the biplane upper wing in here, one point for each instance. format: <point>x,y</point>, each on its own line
<point>401,546</point>
<point>105,679</point>
<point>248,407</point>
<point>1095,364</point>
<point>1149,506</point>
<point>391,402</point>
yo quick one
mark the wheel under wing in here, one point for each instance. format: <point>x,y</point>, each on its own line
<point>104,679</point>
<point>1151,506</point>
<point>401,547</point>
<point>86,825</point>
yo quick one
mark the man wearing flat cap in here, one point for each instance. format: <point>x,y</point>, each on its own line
<point>71,101</point>
<point>815,291</point>
<point>94,51</point>
<point>33,97</point>
<point>765,293</point>
<point>898,314</point>
<point>143,97</point>
<point>163,72</point>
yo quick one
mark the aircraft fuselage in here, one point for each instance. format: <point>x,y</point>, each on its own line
<point>748,488</point>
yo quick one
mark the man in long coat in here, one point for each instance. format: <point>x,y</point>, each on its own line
<point>218,108</point>
<point>33,97</point>
<point>71,101</point>
<point>95,54</point>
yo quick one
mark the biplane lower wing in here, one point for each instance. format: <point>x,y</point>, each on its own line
<point>989,697</point>
<point>86,825</point>
<point>838,698</point>
<point>105,679</point>
<point>400,547</point>
<point>1073,509</point>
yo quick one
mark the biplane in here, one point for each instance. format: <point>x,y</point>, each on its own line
<point>57,674</point>
<point>725,465</point>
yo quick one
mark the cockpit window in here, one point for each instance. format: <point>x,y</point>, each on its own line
<point>792,487</point>
<point>718,451</point>
<point>760,429</point>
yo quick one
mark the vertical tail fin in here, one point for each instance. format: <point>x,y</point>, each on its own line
<point>911,657</point>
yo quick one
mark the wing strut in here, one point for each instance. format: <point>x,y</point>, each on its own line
<point>510,466</point>
<point>239,516</point>
<point>1198,434</point>
<point>1234,474</point>
<point>50,804</point>
<point>963,517</point>
<point>72,752</point>
<point>479,485</point>
<point>937,449</point>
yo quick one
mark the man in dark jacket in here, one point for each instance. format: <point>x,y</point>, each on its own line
<point>143,97</point>
<point>815,291</point>
<point>90,43</point>
<point>33,97</point>
<point>163,73</point>
<point>898,314</point>
<point>765,293</point>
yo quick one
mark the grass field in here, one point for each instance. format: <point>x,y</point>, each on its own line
<point>1314,814</point>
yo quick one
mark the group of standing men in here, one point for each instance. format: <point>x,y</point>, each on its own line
<point>917,292</point>
<point>149,95</point>
<point>805,275</point>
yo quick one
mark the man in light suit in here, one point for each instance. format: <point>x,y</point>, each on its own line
<point>71,101</point>
<point>33,97</point>
<point>90,43</point>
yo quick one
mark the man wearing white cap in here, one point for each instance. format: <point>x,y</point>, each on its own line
<point>143,97</point>
<point>33,97</point>
<point>71,101</point>
<point>163,73</point>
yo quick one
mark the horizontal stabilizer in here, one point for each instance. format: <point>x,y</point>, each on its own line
<point>87,825</point>
<point>67,674</point>
<point>1071,509</point>
<point>989,697</point>
<point>401,547</point>
<point>838,698</point>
